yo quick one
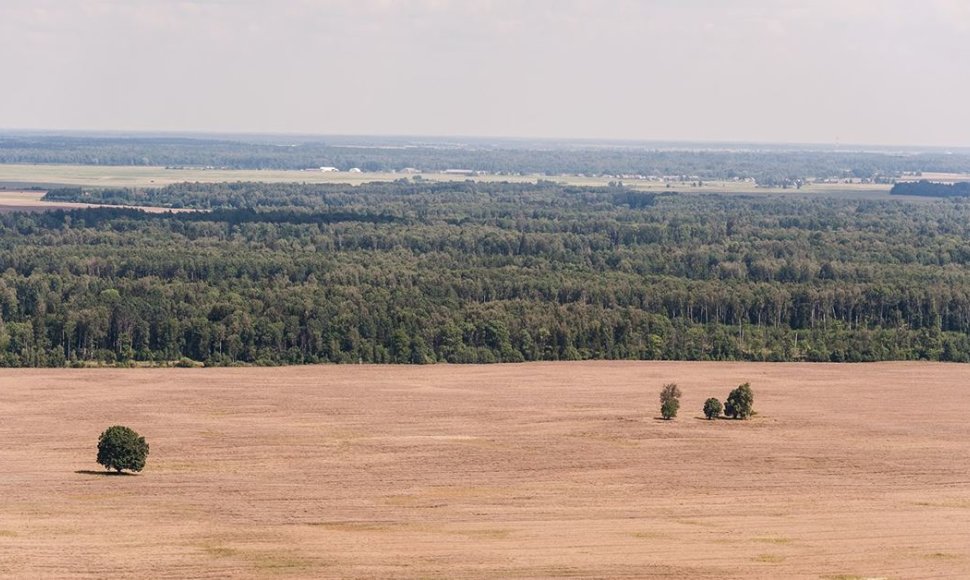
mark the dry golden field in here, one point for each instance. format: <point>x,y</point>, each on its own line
<point>535,470</point>
<point>31,201</point>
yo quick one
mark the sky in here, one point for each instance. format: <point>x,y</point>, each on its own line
<point>879,72</point>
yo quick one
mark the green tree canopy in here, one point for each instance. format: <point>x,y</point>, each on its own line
<point>669,408</point>
<point>121,448</point>
<point>670,391</point>
<point>669,400</point>
<point>712,408</point>
<point>740,403</point>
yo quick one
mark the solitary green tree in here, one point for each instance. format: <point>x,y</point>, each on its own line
<point>669,409</point>
<point>122,448</point>
<point>669,401</point>
<point>740,403</point>
<point>712,408</point>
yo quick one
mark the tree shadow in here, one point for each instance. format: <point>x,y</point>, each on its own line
<point>105,473</point>
<point>724,419</point>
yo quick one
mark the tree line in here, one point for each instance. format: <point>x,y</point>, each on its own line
<point>926,188</point>
<point>473,272</point>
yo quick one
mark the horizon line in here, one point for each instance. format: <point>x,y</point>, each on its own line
<point>699,144</point>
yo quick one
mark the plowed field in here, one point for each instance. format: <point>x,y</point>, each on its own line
<point>535,470</point>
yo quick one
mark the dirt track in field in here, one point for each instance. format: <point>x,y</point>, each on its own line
<point>537,470</point>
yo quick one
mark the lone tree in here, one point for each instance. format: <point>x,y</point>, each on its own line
<point>740,403</point>
<point>669,401</point>
<point>712,408</point>
<point>122,448</point>
<point>668,410</point>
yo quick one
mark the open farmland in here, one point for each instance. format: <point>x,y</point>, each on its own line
<point>25,176</point>
<point>537,470</point>
<point>32,201</point>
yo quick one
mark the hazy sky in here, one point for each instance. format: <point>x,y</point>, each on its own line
<point>826,71</point>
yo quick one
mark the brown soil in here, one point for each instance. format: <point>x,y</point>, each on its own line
<point>538,470</point>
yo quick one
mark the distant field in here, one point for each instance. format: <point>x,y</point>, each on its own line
<point>942,177</point>
<point>24,176</point>
<point>537,470</point>
<point>20,200</point>
<point>131,176</point>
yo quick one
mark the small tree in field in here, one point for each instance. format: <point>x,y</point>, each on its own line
<point>670,391</point>
<point>740,403</point>
<point>668,410</point>
<point>122,448</point>
<point>712,408</point>
<point>669,401</point>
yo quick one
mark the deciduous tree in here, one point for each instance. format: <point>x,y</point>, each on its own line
<point>121,448</point>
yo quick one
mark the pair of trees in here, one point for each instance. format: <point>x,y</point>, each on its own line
<point>739,404</point>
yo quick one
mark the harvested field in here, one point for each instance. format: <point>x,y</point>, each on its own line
<point>32,201</point>
<point>47,176</point>
<point>536,470</point>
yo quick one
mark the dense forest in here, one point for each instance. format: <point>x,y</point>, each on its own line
<point>769,166</point>
<point>471,272</point>
<point>925,188</point>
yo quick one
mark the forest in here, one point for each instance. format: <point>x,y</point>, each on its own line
<point>926,188</point>
<point>769,165</point>
<point>420,272</point>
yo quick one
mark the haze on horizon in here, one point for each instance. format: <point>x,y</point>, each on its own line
<point>880,72</point>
